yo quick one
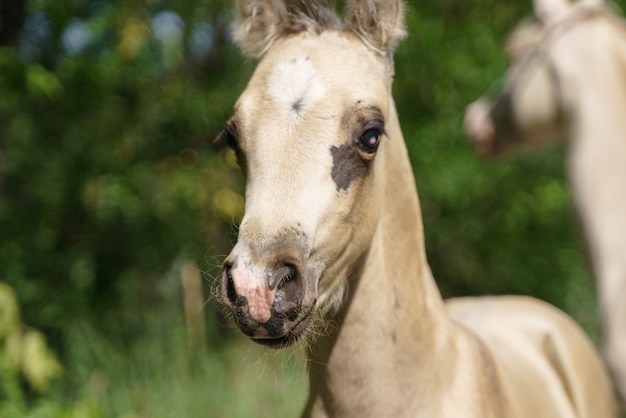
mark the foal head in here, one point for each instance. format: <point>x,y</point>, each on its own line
<point>309,132</point>
<point>554,58</point>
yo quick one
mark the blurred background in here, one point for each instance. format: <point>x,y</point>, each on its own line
<point>117,207</point>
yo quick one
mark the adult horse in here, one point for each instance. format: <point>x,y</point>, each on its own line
<point>568,82</point>
<point>331,248</point>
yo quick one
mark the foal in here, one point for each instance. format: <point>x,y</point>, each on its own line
<point>331,246</point>
<point>568,81</point>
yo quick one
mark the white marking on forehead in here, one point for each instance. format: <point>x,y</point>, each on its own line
<point>295,86</point>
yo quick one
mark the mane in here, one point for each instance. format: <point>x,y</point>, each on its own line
<point>312,16</point>
<point>260,22</point>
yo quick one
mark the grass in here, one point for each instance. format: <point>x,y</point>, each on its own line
<point>158,377</point>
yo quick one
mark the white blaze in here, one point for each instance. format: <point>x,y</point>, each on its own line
<point>295,86</point>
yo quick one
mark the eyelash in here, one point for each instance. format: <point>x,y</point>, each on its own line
<point>230,133</point>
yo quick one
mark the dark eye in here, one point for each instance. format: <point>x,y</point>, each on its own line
<point>369,140</point>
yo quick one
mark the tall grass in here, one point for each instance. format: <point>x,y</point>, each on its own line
<point>157,374</point>
<point>158,378</point>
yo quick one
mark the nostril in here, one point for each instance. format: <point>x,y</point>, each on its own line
<point>231,293</point>
<point>281,276</point>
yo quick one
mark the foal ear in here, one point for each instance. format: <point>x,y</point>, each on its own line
<point>257,24</point>
<point>379,22</point>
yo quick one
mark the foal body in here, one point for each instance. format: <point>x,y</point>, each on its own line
<point>571,84</point>
<point>332,234</point>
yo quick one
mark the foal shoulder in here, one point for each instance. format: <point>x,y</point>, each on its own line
<point>520,324</point>
<point>540,351</point>
<point>522,312</point>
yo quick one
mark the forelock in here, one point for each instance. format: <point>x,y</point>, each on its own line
<point>312,16</point>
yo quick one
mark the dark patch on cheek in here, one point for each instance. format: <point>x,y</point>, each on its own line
<point>347,166</point>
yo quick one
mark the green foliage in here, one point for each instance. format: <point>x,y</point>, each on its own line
<point>24,359</point>
<point>109,168</point>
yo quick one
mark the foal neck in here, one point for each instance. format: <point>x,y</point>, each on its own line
<point>596,155</point>
<point>393,327</point>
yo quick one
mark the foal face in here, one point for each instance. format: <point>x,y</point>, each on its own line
<point>534,84</point>
<point>308,131</point>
